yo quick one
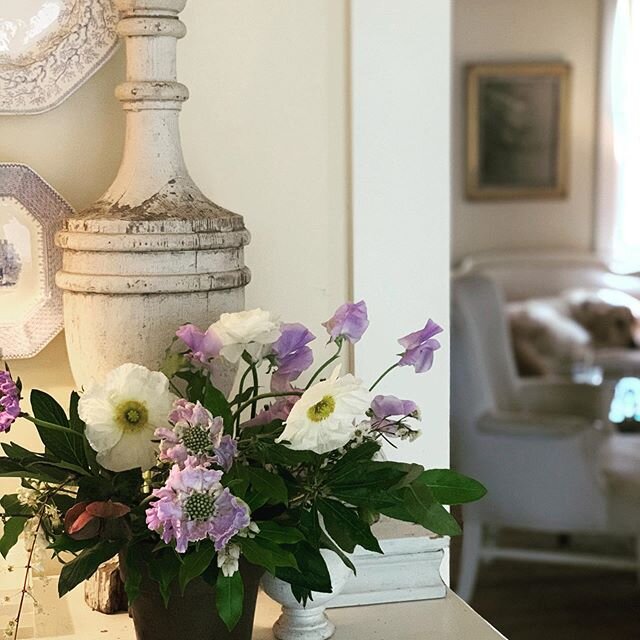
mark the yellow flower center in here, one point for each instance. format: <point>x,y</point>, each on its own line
<point>131,415</point>
<point>321,410</point>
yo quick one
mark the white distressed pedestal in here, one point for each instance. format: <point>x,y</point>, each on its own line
<point>153,252</point>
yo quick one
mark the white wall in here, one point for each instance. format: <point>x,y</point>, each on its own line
<point>265,134</point>
<point>528,30</point>
<point>401,187</point>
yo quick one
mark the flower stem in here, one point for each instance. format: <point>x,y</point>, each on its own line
<point>389,370</point>
<point>254,406</point>
<point>324,366</point>
<point>49,425</point>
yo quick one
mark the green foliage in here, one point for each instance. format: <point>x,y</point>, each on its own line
<point>449,487</point>
<point>195,563</point>
<point>163,567</point>
<point>269,485</point>
<point>312,572</point>
<point>86,564</point>
<point>215,401</point>
<point>278,533</point>
<point>267,554</point>
<point>229,598</point>
<point>420,507</point>
<point>345,526</point>
<point>13,527</point>
<point>59,445</point>
<point>133,560</point>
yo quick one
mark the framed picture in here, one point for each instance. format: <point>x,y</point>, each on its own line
<point>30,303</point>
<point>517,131</point>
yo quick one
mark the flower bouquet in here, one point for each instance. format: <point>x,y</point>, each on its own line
<point>200,494</point>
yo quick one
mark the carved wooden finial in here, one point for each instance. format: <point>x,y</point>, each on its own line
<point>153,252</point>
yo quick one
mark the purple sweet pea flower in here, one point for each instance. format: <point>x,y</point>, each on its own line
<point>290,352</point>
<point>193,506</point>
<point>203,345</point>
<point>349,322</point>
<point>389,415</point>
<point>420,347</point>
<point>9,401</point>
<point>392,407</point>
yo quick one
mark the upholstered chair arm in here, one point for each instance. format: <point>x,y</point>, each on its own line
<point>566,398</point>
<point>509,423</point>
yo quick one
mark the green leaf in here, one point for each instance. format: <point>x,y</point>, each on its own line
<point>12,505</point>
<point>133,580</point>
<point>163,568</point>
<point>345,527</point>
<point>11,468</point>
<point>216,402</point>
<point>16,452</point>
<point>86,564</point>
<point>419,506</point>
<point>78,425</point>
<point>63,542</point>
<point>230,598</point>
<point>312,572</point>
<point>449,487</point>
<point>194,563</point>
<point>262,552</point>
<point>327,543</point>
<point>66,447</point>
<point>269,484</point>
<point>279,533</point>
<point>365,451</point>
<point>13,527</point>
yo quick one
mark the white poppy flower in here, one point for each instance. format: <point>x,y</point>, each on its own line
<point>325,417</point>
<point>122,415</point>
<point>246,330</point>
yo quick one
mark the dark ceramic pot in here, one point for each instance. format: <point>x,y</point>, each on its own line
<point>192,615</point>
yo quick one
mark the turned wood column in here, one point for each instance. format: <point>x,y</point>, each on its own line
<point>153,252</point>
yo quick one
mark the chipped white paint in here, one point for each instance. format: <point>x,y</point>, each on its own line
<point>153,252</point>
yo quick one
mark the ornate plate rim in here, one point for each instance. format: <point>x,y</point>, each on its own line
<point>48,316</point>
<point>69,91</point>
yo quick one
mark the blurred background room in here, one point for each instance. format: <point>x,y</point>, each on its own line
<point>546,312</point>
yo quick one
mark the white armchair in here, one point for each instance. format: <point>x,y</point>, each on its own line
<point>533,444</point>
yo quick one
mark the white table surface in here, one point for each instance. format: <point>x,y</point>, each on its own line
<point>446,619</point>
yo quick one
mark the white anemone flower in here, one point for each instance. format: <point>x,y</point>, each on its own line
<point>325,417</point>
<point>252,330</point>
<point>122,415</point>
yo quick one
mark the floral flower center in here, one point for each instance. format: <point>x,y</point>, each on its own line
<point>322,410</point>
<point>131,415</point>
<point>199,506</point>
<point>196,439</point>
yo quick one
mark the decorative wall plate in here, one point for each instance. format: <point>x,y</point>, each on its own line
<point>30,303</point>
<point>48,48</point>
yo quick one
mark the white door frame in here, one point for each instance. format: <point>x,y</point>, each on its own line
<point>401,62</point>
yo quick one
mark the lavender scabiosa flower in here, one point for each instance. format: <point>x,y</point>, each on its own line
<point>9,401</point>
<point>420,347</point>
<point>195,433</point>
<point>290,353</point>
<point>193,505</point>
<point>389,414</point>
<point>349,322</point>
<point>203,345</point>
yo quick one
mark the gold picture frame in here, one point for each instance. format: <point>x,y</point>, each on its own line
<point>518,130</point>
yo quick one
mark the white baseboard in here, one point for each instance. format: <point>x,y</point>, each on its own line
<point>408,570</point>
